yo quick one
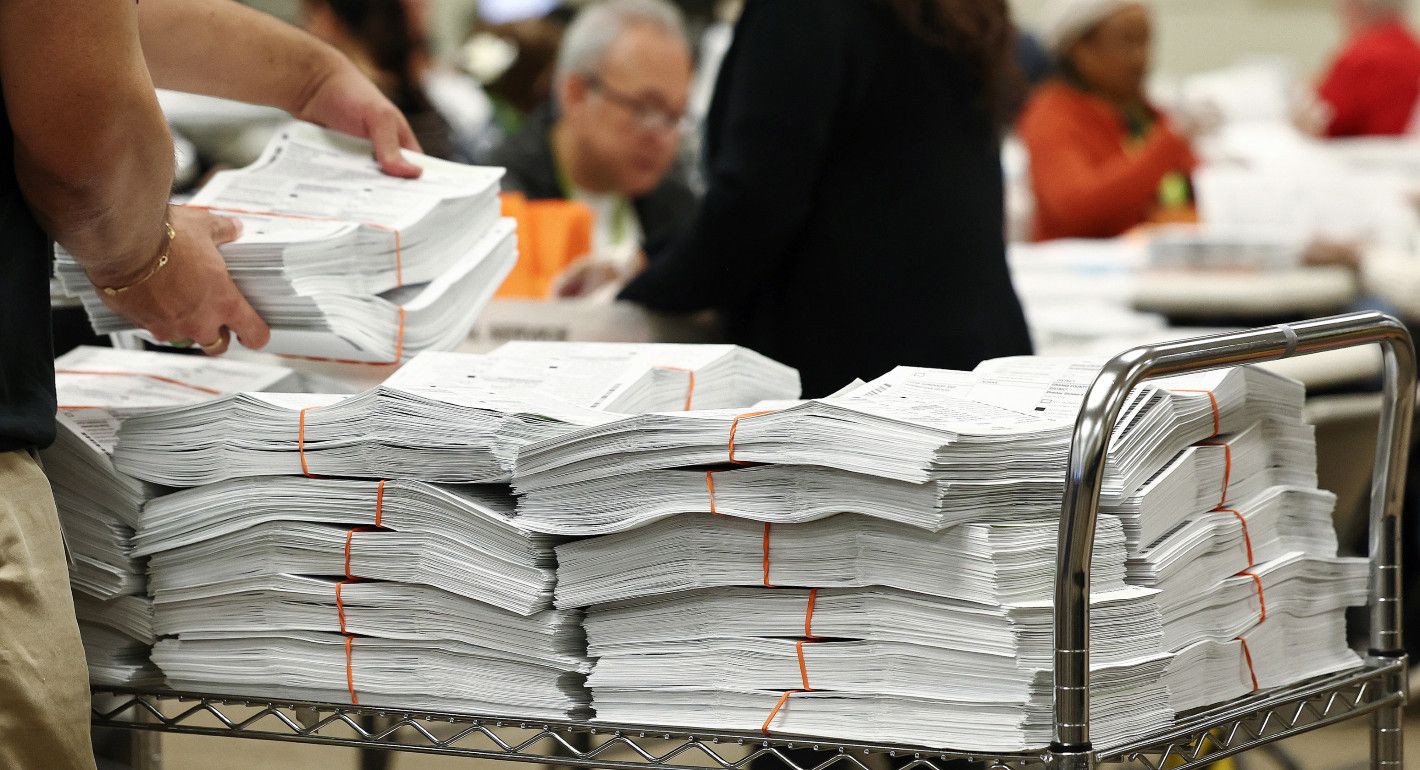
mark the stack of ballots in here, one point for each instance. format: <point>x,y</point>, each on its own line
<point>344,262</point>
<point>444,417</point>
<point>915,519</point>
<point>364,564</point>
<point>99,506</point>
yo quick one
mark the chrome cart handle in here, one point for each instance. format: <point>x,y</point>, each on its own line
<point>1098,415</point>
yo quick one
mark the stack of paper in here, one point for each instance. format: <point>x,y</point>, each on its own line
<point>460,540</point>
<point>345,262</point>
<point>988,563</point>
<point>443,600</point>
<point>399,591</point>
<point>927,501</point>
<point>444,417</point>
<point>99,506</point>
<point>999,434</point>
<point>1192,248</point>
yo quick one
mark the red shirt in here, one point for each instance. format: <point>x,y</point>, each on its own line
<point>1091,180</point>
<point>1373,86</point>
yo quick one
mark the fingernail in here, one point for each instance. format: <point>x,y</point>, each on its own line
<point>240,227</point>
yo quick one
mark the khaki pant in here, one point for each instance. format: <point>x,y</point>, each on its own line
<point>44,683</point>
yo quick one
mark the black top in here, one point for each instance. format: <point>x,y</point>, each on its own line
<point>664,212</point>
<point>26,354</point>
<point>854,218</point>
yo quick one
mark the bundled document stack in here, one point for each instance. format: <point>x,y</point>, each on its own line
<point>395,593</point>
<point>445,417</point>
<point>279,567</point>
<point>932,499</point>
<point>344,262</point>
<point>99,506</point>
<point>1192,248</point>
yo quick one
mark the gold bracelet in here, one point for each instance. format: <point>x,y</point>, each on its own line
<point>159,264</point>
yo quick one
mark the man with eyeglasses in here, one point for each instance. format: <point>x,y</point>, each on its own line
<point>612,137</point>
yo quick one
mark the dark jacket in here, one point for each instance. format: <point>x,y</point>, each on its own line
<point>27,401</point>
<point>664,213</point>
<point>854,218</point>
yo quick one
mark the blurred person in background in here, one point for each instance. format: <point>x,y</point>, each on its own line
<point>86,161</point>
<point>376,35</point>
<point>853,220</point>
<point>1373,85</point>
<point>1103,160</point>
<point>610,138</point>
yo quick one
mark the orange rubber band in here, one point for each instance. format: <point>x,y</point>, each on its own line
<point>710,488</point>
<point>349,539</point>
<point>767,584</point>
<point>379,503</point>
<point>1247,536</point>
<point>1247,656</point>
<point>809,615</point>
<point>1217,416</point>
<point>340,604</point>
<point>301,443</point>
<point>398,351</point>
<point>775,711</point>
<point>350,670</point>
<point>803,667</point>
<point>1227,469</point>
<point>145,375</point>
<point>734,426</point>
<point>690,393</point>
<point>1261,600</point>
<point>398,245</point>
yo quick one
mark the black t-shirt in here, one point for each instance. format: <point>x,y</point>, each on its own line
<point>26,353</point>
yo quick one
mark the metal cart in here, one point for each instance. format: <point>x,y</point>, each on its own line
<point>1377,688</point>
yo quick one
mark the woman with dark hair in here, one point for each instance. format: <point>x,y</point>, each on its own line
<point>853,220</point>
<point>376,35</point>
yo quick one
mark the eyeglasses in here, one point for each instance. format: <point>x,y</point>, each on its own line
<point>649,115</point>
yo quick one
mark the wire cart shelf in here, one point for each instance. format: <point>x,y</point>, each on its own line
<point>1195,740</point>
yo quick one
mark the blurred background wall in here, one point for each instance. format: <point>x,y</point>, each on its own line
<point>1303,31</point>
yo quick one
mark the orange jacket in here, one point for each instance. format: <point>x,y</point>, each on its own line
<point>1090,179</point>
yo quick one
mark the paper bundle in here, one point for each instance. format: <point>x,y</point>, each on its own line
<point>922,510</point>
<point>368,592</point>
<point>344,262</point>
<point>444,417</point>
<point>995,437</point>
<point>393,591</point>
<point>99,506</point>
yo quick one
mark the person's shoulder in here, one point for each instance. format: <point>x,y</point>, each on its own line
<point>1379,48</point>
<point>1053,100</point>
<point>812,18</point>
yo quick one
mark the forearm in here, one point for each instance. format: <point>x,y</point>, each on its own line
<point>1106,199</point>
<point>92,152</point>
<point>221,48</point>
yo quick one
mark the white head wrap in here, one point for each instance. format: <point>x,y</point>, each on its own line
<point>1066,21</point>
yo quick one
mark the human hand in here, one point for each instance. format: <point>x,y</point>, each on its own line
<point>1311,115</point>
<point>345,100</point>
<point>193,296</point>
<point>590,275</point>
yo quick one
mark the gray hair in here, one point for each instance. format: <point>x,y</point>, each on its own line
<point>597,27</point>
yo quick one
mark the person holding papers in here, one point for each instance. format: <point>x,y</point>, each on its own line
<point>1373,85</point>
<point>853,220</point>
<point>1103,160</point>
<point>86,160</point>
